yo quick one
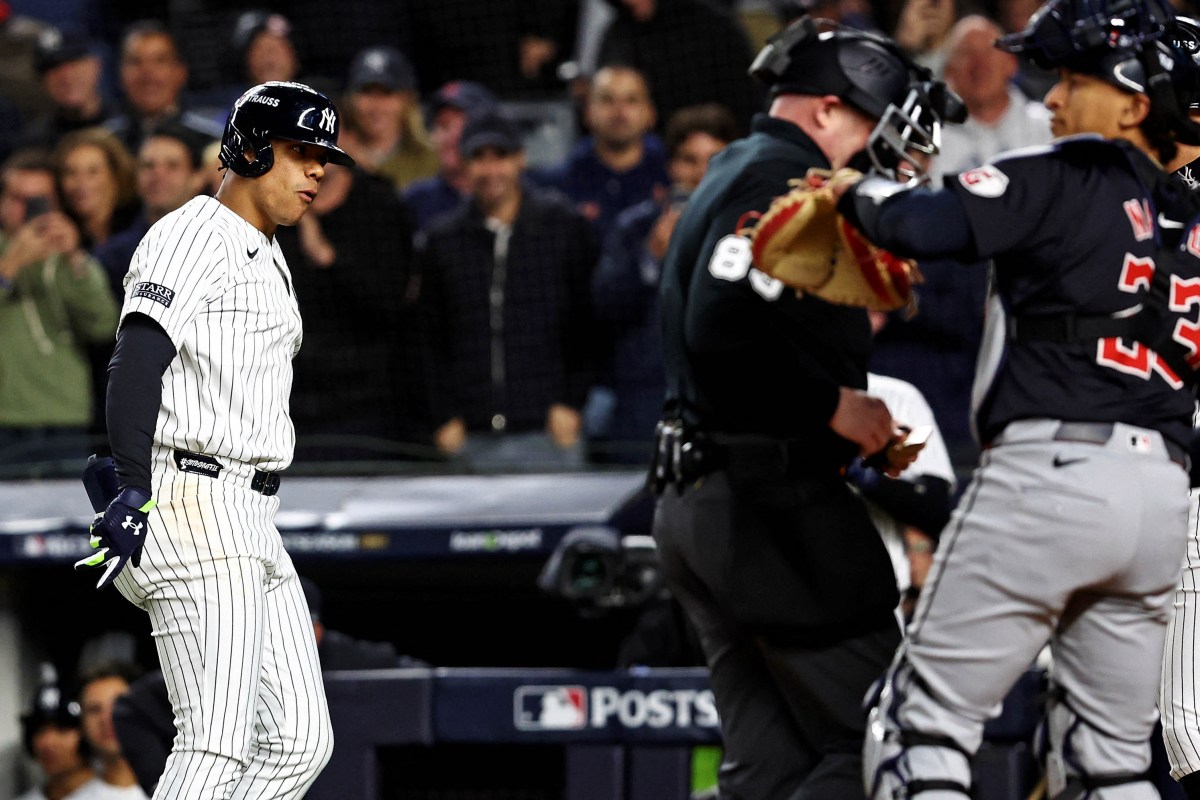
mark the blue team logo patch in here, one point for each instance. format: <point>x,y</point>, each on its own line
<point>155,292</point>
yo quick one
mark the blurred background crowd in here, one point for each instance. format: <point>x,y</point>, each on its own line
<point>481,290</point>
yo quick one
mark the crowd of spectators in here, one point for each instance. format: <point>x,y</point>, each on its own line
<point>463,297</point>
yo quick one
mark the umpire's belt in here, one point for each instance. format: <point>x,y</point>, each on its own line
<point>700,453</point>
<point>265,483</point>
<point>1138,439</point>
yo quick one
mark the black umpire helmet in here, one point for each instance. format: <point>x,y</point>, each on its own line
<point>870,73</point>
<point>819,57</point>
<point>279,110</point>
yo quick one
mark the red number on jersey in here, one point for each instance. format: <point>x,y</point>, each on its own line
<point>1137,359</point>
<point>1185,293</point>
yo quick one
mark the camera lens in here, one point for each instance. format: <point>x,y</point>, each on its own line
<point>587,575</point>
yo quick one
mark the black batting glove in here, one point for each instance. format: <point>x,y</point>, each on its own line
<point>119,534</point>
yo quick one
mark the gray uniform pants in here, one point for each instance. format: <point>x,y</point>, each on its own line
<point>1074,543</point>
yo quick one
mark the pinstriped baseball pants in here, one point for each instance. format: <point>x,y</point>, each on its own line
<point>1179,703</point>
<point>235,641</point>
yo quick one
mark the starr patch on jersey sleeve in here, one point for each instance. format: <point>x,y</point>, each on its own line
<point>154,291</point>
<point>986,181</point>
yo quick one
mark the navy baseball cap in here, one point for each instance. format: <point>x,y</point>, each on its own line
<point>489,128</point>
<point>55,47</point>
<point>381,66</point>
<point>464,95</point>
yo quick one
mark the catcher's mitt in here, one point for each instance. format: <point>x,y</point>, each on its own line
<point>803,241</point>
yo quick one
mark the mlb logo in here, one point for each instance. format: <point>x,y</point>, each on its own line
<point>1141,443</point>
<point>550,708</point>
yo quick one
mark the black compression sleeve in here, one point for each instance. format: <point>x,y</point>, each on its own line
<point>135,373</point>
<point>916,223</point>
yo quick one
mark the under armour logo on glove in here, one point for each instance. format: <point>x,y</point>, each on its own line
<point>116,535</point>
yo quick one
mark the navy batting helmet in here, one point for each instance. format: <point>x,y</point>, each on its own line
<point>820,57</point>
<point>279,110</point>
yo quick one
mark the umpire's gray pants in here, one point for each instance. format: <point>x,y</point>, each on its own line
<point>1075,543</point>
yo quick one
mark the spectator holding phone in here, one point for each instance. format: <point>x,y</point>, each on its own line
<point>54,299</point>
<point>97,178</point>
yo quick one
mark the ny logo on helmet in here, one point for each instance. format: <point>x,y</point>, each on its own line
<point>328,120</point>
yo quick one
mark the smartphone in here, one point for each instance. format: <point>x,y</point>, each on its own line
<point>914,441</point>
<point>36,207</point>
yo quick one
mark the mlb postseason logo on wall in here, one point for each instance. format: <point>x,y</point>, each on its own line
<point>550,708</point>
<point>567,708</point>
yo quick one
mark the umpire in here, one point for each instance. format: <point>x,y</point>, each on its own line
<point>772,556</point>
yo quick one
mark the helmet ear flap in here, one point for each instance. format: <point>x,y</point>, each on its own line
<point>233,155</point>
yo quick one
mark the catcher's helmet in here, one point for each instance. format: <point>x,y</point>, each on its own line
<point>820,57</point>
<point>1110,39</point>
<point>279,110</point>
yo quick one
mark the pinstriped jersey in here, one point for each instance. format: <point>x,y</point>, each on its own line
<point>222,292</point>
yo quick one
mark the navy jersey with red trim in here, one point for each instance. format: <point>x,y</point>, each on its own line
<point>1074,227</point>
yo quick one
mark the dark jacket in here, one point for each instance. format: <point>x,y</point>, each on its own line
<point>625,296</point>
<point>691,51</point>
<point>354,374</point>
<point>479,40</point>
<point>49,130</point>
<point>116,253</point>
<point>536,351</point>
<point>430,198</point>
<point>599,193</point>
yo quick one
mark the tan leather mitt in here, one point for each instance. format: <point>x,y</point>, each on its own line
<point>803,241</point>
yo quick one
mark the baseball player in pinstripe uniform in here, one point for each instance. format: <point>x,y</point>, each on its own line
<point>1179,697</point>
<point>1179,700</point>
<point>199,426</point>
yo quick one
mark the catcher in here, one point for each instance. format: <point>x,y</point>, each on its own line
<point>1073,528</point>
<point>769,552</point>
